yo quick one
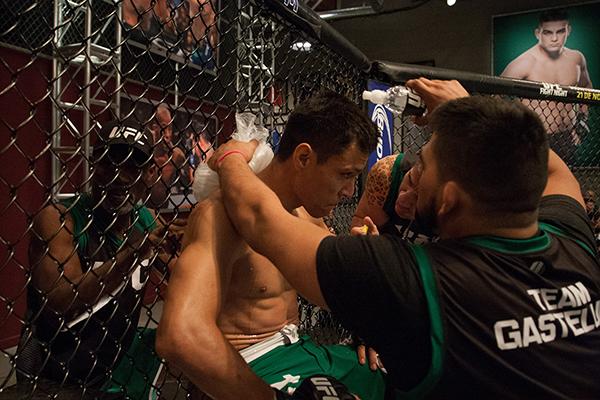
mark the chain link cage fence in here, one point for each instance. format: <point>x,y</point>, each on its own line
<point>572,133</point>
<point>571,116</point>
<point>181,69</point>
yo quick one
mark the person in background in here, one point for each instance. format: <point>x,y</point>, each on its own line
<point>90,258</point>
<point>200,150</point>
<point>139,14</point>
<point>204,32</point>
<point>591,207</point>
<point>168,156</point>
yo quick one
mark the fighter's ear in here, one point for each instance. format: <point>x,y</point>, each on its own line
<point>537,32</point>
<point>568,29</point>
<point>302,155</point>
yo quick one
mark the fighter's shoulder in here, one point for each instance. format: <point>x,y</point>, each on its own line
<point>575,55</point>
<point>208,222</point>
<point>209,211</point>
<point>525,59</point>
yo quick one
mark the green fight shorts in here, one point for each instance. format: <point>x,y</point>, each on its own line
<point>285,367</point>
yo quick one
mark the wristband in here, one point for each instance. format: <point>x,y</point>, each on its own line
<point>228,153</point>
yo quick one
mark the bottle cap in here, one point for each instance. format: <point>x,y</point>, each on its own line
<point>375,96</point>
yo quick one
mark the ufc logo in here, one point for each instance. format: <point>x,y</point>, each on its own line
<point>322,384</point>
<point>127,131</point>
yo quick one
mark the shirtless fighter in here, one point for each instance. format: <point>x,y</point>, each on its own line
<point>550,61</point>
<point>222,293</point>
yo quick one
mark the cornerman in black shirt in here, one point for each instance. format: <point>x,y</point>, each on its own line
<point>505,305</point>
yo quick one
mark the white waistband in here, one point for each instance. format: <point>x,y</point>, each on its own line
<point>287,335</point>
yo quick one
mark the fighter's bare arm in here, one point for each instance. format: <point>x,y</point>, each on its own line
<point>188,335</point>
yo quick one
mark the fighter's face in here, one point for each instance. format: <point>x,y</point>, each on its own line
<point>552,35</point>
<point>427,189</point>
<point>320,187</point>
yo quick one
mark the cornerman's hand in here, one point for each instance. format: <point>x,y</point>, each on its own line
<point>434,93</point>
<point>369,228</point>
<point>368,353</point>
<point>246,149</point>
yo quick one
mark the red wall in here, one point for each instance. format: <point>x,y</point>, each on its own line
<point>25,125</point>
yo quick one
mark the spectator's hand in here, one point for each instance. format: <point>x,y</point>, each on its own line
<point>164,239</point>
<point>367,353</point>
<point>434,93</point>
<point>175,231</point>
<point>245,148</point>
<point>144,248</point>
<point>177,226</point>
<point>369,228</point>
<point>156,240</point>
<point>167,238</point>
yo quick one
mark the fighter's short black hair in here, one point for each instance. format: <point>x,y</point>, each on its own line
<point>555,14</point>
<point>329,123</point>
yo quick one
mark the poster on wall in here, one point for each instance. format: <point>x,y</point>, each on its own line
<point>555,46</point>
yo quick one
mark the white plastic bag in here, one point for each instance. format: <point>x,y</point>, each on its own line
<point>206,180</point>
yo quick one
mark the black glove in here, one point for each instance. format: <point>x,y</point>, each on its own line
<point>320,387</point>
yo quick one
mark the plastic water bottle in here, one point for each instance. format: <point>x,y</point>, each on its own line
<point>399,100</point>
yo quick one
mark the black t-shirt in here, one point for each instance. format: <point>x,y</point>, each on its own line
<point>480,316</point>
